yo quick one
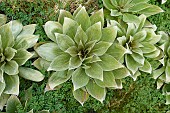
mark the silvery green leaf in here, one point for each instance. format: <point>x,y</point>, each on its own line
<point>100,48</point>
<point>41,64</point>
<point>81,95</point>
<point>138,7</point>
<point>131,64</point>
<point>58,78</point>
<point>97,16</point>
<point>119,84</point>
<point>109,34</point>
<point>163,1</point>
<point>130,18</point>
<point>147,47</point>
<point>62,15</point>
<point>139,1</point>
<point>9,53</point>
<point>109,63</point>
<point>108,4</point>
<point>16,27</point>
<point>146,67</point>
<point>154,54</point>
<point>22,56</point>
<point>60,63</point>
<point>115,13</point>
<point>96,91</point>
<point>28,29</point>
<point>3,19</point>
<point>1,75</point>
<point>156,73</point>
<point>12,84</point>
<point>135,75</point>
<point>95,71</point>
<point>64,41</point>
<point>138,58</point>
<point>159,83</point>
<point>75,62</point>
<point>70,27</point>
<point>73,51</point>
<point>167,71</point>
<point>2,87</point>
<point>79,78</point>
<point>21,43</point>
<point>49,51</point>
<point>12,104</point>
<point>11,67</point>
<point>120,73</point>
<point>77,10</point>
<point>108,80</point>
<point>30,74</point>
<point>83,19</point>
<point>167,99</point>
<point>117,51</point>
<point>52,27</point>
<point>140,36</point>
<point>44,111</point>
<point>94,32</point>
<point>6,36</point>
<point>142,22</point>
<point>131,29</point>
<point>80,36</point>
<point>3,100</point>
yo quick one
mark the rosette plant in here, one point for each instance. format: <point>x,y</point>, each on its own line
<point>15,39</point>
<point>80,51</point>
<point>140,43</point>
<point>162,73</point>
<point>130,8</point>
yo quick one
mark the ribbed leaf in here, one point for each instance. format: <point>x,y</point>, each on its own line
<point>95,71</point>
<point>28,29</point>
<point>30,74</point>
<point>130,18</point>
<point>108,4</point>
<point>138,7</point>
<point>49,51</point>
<point>12,84</point>
<point>52,27</point>
<point>96,91</point>
<point>81,96</point>
<point>94,32</point>
<point>64,41</point>
<point>9,53</point>
<point>140,36</point>
<point>41,64</point>
<point>2,87</point>
<point>146,67</point>
<point>3,19</point>
<point>80,36</point>
<point>62,15</point>
<point>167,72</point>
<point>97,17</point>
<point>3,100</point>
<point>138,58</point>
<point>108,80</point>
<point>109,63</point>
<point>60,63</point>
<point>83,19</point>
<point>22,56</point>
<point>58,78</point>
<point>16,27</point>
<point>79,78</point>
<point>75,62</point>
<point>120,73</point>
<point>11,67</point>
<point>73,51</point>
<point>158,72</point>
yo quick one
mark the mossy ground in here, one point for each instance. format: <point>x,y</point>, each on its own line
<point>139,96</point>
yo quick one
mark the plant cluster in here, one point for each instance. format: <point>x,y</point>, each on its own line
<point>94,54</point>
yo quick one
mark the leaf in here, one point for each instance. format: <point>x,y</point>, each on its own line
<point>167,99</point>
<point>16,27</point>
<point>12,104</point>
<point>75,62</point>
<point>138,58</point>
<point>12,84</point>
<point>60,63</point>
<point>167,72</point>
<point>109,63</point>
<point>140,36</point>
<point>80,36</point>
<point>62,15</point>
<point>131,64</point>
<point>70,27</point>
<point>154,54</point>
<point>142,18</point>
<point>95,71</point>
<point>3,100</point>
<point>97,16</point>
<point>108,4</point>
<point>58,78</point>
<point>130,18</point>
<point>146,67</point>
<point>147,47</point>
<point>94,32</point>
<point>108,80</point>
<point>2,87</point>
<point>117,51</point>
<point>11,67</point>
<point>115,13</point>
<point>158,72</point>
<point>28,29</point>
<point>52,27</point>
<point>64,41</point>
<point>100,48</point>
<point>41,64</point>
<point>3,19</point>
<point>83,19</point>
<point>44,111</point>
<point>9,53</point>
<point>139,7</point>
<point>49,51</point>
<point>30,74</point>
<point>152,10</point>
<point>79,78</point>
<point>6,36</point>
<point>73,51</point>
<point>22,56</point>
<point>81,96</point>
<point>109,34</point>
<point>96,91</point>
<point>120,73</point>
